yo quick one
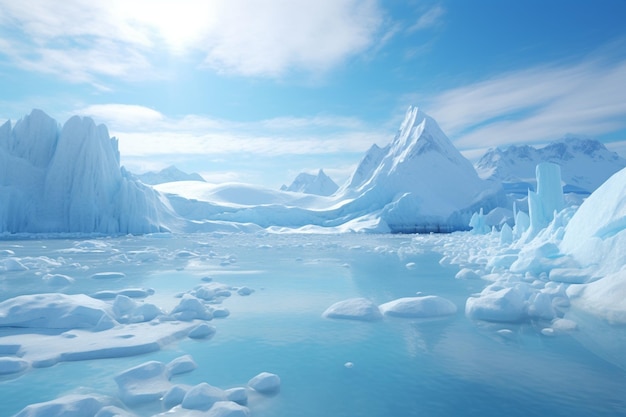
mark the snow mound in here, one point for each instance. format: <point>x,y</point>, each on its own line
<point>419,307</point>
<point>353,309</point>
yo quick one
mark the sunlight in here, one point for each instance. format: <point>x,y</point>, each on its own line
<point>181,24</point>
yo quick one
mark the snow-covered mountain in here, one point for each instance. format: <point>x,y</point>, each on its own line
<point>420,180</point>
<point>585,164</point>
<point>417,183</point>
<point>320,184</point>
<point>169,174</point>
<point>69,180</point>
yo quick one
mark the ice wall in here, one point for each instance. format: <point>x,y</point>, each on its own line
<point>70,180</point>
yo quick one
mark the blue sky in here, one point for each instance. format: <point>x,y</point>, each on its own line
<point>257,91</point>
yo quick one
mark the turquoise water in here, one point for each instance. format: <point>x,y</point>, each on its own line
<point>401,367</point>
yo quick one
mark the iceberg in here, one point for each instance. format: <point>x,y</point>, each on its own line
<point>69,180</point>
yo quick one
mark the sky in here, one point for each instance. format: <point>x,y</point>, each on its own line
<point>259,91</point>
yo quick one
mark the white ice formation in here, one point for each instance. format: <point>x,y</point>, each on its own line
<point>69,179</point>
<point>559,257</point>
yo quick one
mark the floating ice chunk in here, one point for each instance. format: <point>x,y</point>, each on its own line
<point>353,309</point>
<point>143,383</point>
<point>181,365</point>
<point>410,265</point>
<point>126,310</point>
<point>228,409</point>
<point>212,290</point>
<point>128,292</point>
<point>506,333</point>
<point>108,275</point>
<point>54,311</point>
<point>202,397</point>
<point>113,411</point>
<point>57,280</point>
<point>67,406</point>
<point>419,307</point>
<point>238,395</point>
<point>349,365</point>
<point>564,325</point>
<point>10,365</point>
<point>12,265</point>
<point>202,331</point>
<point>467,273</point>
<point>245,291</point>
<point>174,396</point>
<point>191,308</point>
<point>220,312</point>
<point>505,305</point>
<point>265,383</point>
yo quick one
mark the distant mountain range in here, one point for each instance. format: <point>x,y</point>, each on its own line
<point>169,174</point>
<point>585,164</point>
<point>57,179</point>
<point>320,184</point>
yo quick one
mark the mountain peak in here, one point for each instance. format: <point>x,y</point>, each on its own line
<point>320,184</point>
<point>585,162</point>
<point>169,174</point>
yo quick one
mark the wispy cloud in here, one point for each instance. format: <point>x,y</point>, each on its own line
<point>145,132</point>
<point>536,104</point>
<point>431,18</point>
<point>82,41</point>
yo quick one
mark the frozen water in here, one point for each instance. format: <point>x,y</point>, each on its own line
<point>549,358</point>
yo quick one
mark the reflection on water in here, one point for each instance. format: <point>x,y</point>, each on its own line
<point>401,367</point>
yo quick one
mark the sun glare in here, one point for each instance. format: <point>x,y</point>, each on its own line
<point>179,24</point>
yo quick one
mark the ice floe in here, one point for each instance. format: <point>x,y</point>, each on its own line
<point>354,309</point>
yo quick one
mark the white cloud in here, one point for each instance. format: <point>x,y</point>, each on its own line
<point>82,41</point>
<point>535,105</point>
<point>146,132</point>
<point>270,37</point>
